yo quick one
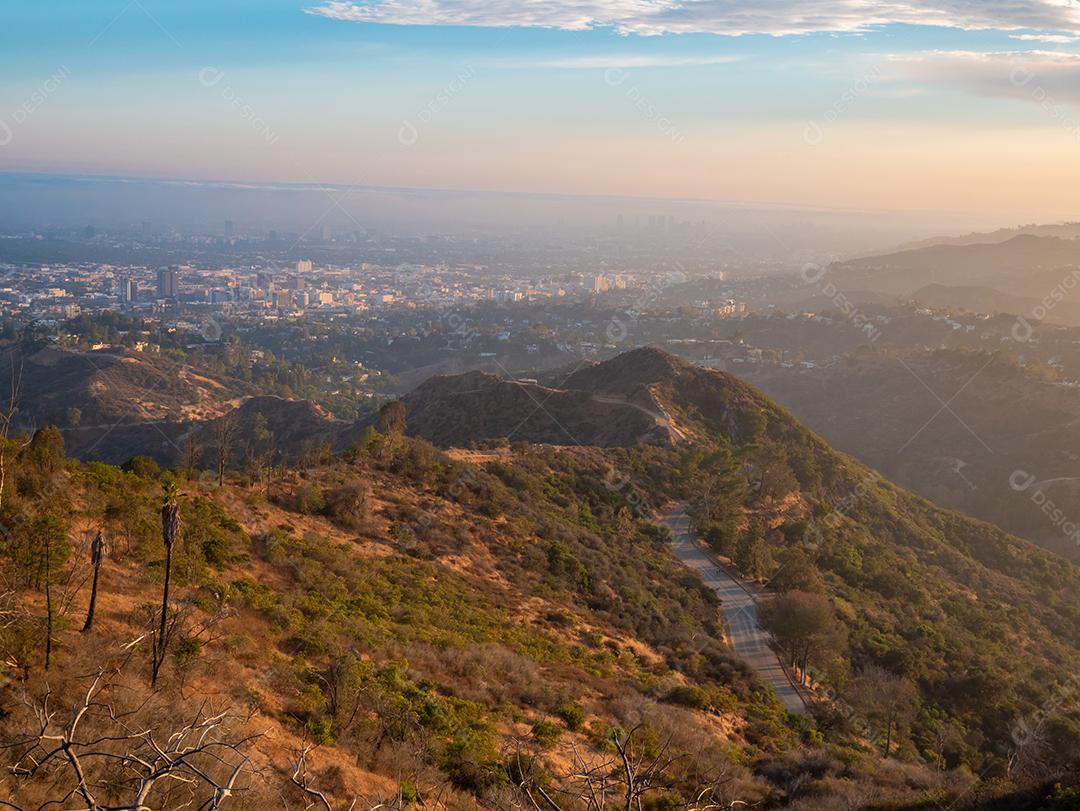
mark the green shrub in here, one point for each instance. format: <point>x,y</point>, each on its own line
<point>309,499</point>
<point>546,733</point>
<point>688,696</point>
<point>142,466</point>
<point>571,714</point>
<point>319,730</point>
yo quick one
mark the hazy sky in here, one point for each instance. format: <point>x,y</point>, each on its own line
<point>960,105</point>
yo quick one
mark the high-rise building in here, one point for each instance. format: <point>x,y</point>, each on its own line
<point>303,266</point>
<point>228,229</point>
<point>129,290</point>
<point>168,282</point>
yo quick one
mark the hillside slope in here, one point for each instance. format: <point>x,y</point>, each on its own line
<point>941,600</point>
<point>108,387</point>
<point>1010,436</point>
<point>397,625</point>
<point>396,628</point>
<point>476,406</point>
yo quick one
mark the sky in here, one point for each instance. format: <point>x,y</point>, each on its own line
<point>913,105</point>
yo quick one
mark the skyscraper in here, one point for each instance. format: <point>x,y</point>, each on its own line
<point>228,229</point>
<point>168,282</point>
<point>128,290</point>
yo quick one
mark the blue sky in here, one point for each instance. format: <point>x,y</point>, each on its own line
<point>950,104</point>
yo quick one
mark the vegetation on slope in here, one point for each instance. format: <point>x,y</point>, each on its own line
<point>497,628</point>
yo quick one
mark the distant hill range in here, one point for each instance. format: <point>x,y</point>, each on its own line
<point>1012,276</point>
<point>885,410</point>
<point>1067,230</point>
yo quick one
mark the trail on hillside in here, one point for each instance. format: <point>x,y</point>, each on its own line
<point>748,639</point>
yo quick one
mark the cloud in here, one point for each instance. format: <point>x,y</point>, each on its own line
<point>614,61</point>
<point>1040,76</point>
<point>1054,39</point>
<point>728,17</point>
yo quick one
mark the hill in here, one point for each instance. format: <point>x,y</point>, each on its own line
<point>105,387</point>
<point>989,300</point>
<point>400,625</point>
<point>457,410</point>
<point>113,405</point>
<point>1023,267</point>
<point>1003,419</point>
<point>1067,230</point>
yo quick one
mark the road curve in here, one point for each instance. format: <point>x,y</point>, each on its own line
<point>748,640</point>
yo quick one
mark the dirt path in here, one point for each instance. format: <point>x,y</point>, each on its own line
<point>661,419</point>
<point>749,641</point>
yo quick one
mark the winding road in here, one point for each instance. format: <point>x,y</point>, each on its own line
<point>748,640</point>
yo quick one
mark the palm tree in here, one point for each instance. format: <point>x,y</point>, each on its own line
<point>97,553</point>
<point>170,531</point>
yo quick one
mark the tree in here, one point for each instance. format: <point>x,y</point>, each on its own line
<point>7,417</point>
<point>391,419</point>
<point>261,452</point>
<point>806,628</point>
<point>192,453</point>
<point>45,452</point>
<point>751,554</point>
<point>170,531</point>
<point>49,535</point>
<point>97,554</point>
<point>225,435</point>
<point>797,572</point>
<point>887,700</point>
<point>768,471</point>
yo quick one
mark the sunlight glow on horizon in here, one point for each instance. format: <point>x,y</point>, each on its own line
<point>904,116</point>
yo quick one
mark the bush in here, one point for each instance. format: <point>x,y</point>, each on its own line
<point>347,506</point>
<point>470,761</point>
<point>309,500</point>
<point>688,696</point>
<point>571,714</point>
<point>546,733</point>
<point>320,731</point>
<point>142,466</point>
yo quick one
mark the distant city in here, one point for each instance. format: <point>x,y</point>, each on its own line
<point>264,289</point>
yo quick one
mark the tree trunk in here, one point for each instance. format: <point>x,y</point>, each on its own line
<point>170,531</point>
<point>96,553</point>
<point>159,645</point>
<point>48,603</point>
